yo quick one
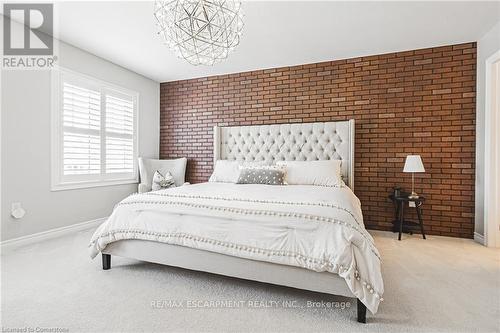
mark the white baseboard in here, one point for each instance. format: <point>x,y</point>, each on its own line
<point>478,238</point>
<point>10,244</point>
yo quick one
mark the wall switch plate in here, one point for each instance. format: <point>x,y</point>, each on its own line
<point>411,203</point>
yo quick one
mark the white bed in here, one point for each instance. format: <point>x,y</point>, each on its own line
<point>301,236</point>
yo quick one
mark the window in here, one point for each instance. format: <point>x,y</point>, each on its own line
<point>94,135</point>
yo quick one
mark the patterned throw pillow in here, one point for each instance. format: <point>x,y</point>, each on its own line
<point>161,182</point>
<point>266,176</point>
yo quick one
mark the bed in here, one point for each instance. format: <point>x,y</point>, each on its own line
<point>301,236</point>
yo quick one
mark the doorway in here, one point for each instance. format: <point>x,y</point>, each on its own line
<point>492,152</point>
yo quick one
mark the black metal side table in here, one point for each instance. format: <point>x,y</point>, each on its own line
<point>402,225</point>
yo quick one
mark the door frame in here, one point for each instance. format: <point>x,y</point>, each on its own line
<point>492,152</point>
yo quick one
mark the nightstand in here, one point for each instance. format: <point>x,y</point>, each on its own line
<point>402,225</point>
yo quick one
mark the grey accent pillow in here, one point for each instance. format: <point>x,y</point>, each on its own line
<point>266,176</point>
<point>147,167</point>
<point>161,182</point>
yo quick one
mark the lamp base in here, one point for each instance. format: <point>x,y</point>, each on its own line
<point>413,195</point>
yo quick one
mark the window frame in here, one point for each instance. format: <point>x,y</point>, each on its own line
<point>59,181</point>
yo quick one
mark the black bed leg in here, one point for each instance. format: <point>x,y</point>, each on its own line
<point>361,312</point>
<point>106,261</point>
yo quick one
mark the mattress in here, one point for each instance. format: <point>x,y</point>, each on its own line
<point>311,227</point>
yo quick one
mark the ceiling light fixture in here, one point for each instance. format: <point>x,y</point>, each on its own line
<point>203,32</point>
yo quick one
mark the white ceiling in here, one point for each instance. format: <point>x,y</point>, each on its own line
<point>275,33</point>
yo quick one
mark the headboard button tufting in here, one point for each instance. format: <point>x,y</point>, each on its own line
<point>293,142</point>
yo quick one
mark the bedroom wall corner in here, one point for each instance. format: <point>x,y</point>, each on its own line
<point>25,150</point>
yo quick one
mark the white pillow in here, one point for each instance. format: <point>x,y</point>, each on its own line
<point>148,166</point>
<point>322,173</point>
<point>225,172</point>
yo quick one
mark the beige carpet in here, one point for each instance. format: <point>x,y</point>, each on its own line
<point>437,285</point>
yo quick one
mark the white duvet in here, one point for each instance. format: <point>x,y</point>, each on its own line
<point>314,227</point>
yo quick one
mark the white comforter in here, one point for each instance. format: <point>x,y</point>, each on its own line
<point>314,227</point>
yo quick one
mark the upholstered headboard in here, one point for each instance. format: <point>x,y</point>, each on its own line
<point>280,142</point>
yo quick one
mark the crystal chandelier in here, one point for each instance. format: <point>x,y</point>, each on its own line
<point>203,32</point>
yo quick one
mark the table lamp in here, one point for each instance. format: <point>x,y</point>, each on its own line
<point>413,164</point>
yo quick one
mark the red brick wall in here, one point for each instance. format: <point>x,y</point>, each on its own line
<point>414,102</point>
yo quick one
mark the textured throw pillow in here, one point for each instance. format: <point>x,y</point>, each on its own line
<point>266,176</point>
<point>321,173</point>
<point>226,171</point>
<point>161,182</point>
<point>148,166</point>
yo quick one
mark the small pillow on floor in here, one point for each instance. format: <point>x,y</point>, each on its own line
<point>161,182</point>
<point>266,176</point>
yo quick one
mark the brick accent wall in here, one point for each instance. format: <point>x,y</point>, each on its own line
<point>414,102</point>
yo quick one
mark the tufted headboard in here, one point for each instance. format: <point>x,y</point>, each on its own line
<point>280,142</point>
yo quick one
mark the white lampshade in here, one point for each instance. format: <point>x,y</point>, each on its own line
<point>413,164</point>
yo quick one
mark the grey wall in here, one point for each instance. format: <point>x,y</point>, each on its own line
<point>25,145</point>
<point>486,46</point>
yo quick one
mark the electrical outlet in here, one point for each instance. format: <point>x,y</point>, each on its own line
<point>17,210</point>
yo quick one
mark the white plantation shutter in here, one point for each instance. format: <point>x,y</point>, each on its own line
<point>94,141</point>
<point>82,154</point>
<point>81,130</point>
<point>119,134</point>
